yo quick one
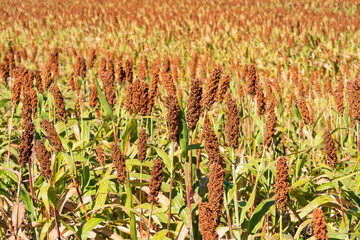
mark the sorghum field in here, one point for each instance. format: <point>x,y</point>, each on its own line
<point>179,120</point>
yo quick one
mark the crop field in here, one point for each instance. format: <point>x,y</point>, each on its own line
<point>179,119</point>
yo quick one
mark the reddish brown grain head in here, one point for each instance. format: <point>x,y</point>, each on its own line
<point>251,80</point>
<point>39,84</point>
<point>129,71</point>
<point>156,179</point>
<point>260,101</point>
<point>154,89</point>
<point>211,88</point>
<point>194,65</point>
<point>142,145</point>
<point>140,92</point>
<point>319,225</point>
<point>305,113</point>
<point>52,135</point>
<point>100,155</point>
<point>270,128</point>
<point>329,144</point>
<point>339,98</point>
<point>211,143</point>
<point>4,73</point>
<point>194,103</point>
<point>119,162</point>
<point>27,109</point>
<point>232,126</point>
<point>91,58</point>
<point>43,157</point>
<point>353,91</point>
<point>173,111</point>
<point>20,74</point>
<point>107,79</point>
<point>223,88</point>
<point>282,183</point>
<point>59,103</point>
<point>46,76</point>
<point>216,190</point>
<point>26,145</point>
<point>207,226</point>
<point>80,67</point>
<point>93,96</point>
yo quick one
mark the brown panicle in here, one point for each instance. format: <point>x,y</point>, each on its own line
<point>91,58</point>
<point>194,65</point>
<point>119,162</point>
<point>20,74</point>
<point>340,98</point>
<point>39,84</point>
<point>26,145</point>
<point>129,71</point>
<point>207,226</point>
<point>142,145</point>
<point>26,110</point>
<point>154,89</point>
<point>260,101</point>
<point>169,84</point>
<point>54,62</point>
<point>211,88</point>
<point>211,143</point>
<point>173,111</point>
<point>319,225</point>
<point>305,113</point>
<point>282,185</point>
<point>120,73</point>
<point>129,97</point>
<point>102,65</point>
<point>140,91</point>
<point>329,144</point>
<point>46,76</point>
<point>80,67</point>
<point>232,126</point>
<point>251,80</point>
<point>216,190</point>
<point>93,96</point>
<point>223,87</point>
<point>4,73</point>
<point>156,179</point>
<point>100,156</point>
<point>270,128</point>
<point>59,103</point>
<point>142,71</point>
<point>107,79</point>
<point>353,90</point>
<point>52,135</point>
<point>43,157</point>
<point>194,103</point>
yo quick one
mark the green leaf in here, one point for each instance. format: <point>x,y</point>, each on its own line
<point>160,235</point>
<point>259,214</point>
<point>183,131</point>
<point>70,162</point>
<point>130,204</point>
<point>323,199</point>
<point>89,226</point>
<point>105,105</point>
<point>165,158</point>
<point>103,190</point>
<point>52,196</point>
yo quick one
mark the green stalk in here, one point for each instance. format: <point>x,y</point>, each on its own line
<point>10,128</point>
<point>151,209</point>
<point>171,184</point>
<point>235,192</point>
<point>281,226</point>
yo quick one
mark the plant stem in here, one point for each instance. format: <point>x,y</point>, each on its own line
<point>140,223</point>
<point>235,190</point>
<point>187,187</point>
<point>10,128</point>
<point>57,224</point>
<point>228,216</point>
<point>171,185</point>
<point>151,209</point>
<point>281,227</point>
<point>17,202</point>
